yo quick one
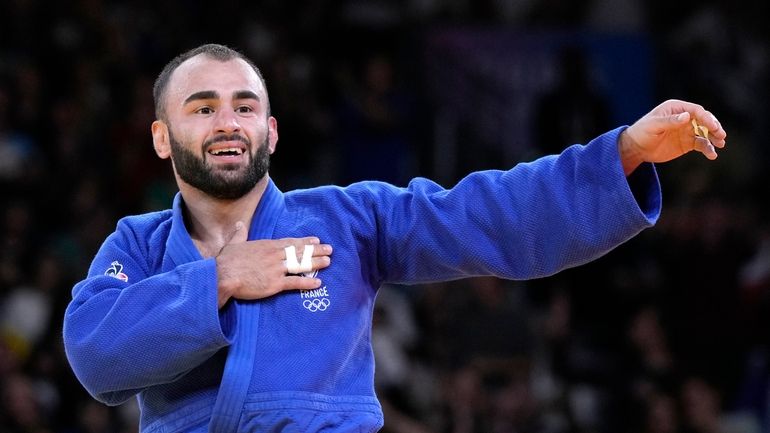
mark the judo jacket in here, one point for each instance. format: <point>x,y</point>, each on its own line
<point>145,321</point>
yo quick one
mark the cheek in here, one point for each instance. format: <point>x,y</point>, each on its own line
<point>256,135</point>
<point>190,139</point>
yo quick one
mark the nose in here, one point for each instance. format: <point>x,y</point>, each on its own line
<point>227,121</point>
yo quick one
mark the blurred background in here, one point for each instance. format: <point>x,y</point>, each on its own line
<point>668,333</point>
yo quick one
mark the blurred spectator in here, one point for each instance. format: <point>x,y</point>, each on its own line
<point>17,149</point>
<point>654,369</point>
<point>297,98</point>
<point>403,385</point>
<point>704,412</point>
<point>375,140</point>
<point>393,338</point>
<point>20,411</point>
<point>661,414</point>
<point>26,313</point>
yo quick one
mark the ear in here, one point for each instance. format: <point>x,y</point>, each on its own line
<point>272,130</point>
<point>160,139</point>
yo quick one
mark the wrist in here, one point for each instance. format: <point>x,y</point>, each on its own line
<point>630,156</point>
<point>225,286</point>
<point>222,298</point>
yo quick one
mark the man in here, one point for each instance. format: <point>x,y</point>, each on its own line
<point>225,314</point>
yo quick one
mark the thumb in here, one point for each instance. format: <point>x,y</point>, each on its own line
<point>238,234</point>
<point>680,118</point>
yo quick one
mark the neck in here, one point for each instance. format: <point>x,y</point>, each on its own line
<point>211,222</point>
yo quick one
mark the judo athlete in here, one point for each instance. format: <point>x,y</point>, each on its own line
<point>226,312</point>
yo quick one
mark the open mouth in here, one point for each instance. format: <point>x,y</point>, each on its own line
<point>227,151</point>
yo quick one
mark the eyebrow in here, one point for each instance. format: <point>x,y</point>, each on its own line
<point>205,94</point>
<point>211,94</point>
<point>245,94</point>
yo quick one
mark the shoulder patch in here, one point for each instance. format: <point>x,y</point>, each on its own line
<point>116,271</point>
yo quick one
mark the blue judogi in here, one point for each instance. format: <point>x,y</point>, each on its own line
<point>145,320</point>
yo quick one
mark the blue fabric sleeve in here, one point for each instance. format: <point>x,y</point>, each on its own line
<point>123,336</point>
<point>531,221</point>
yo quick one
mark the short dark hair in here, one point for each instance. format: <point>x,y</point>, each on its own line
<point>218,52</point>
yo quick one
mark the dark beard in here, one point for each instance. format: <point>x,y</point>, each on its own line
<point>224,186</point>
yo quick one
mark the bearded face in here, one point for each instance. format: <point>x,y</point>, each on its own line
<point>224,181</point>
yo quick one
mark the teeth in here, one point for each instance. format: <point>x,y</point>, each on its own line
<point>232,150</point>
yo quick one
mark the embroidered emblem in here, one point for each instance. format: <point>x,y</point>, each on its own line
<point>315,300</point>
<point>116,271</point>
<point>318,304</point>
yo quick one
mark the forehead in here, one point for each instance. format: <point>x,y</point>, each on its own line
<point>201,73</point>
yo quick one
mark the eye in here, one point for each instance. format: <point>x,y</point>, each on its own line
<point>244,109</point>
<point>204,110</point>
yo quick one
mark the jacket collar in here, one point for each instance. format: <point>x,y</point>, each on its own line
<point>180,248</point>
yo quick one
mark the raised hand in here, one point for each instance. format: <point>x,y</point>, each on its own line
<point>667,132</point>
<point>257,269</point>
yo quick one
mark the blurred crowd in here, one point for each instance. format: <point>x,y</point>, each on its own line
<point>667,334</point>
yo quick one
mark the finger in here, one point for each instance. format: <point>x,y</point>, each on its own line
<point>291,262</point>
<point>709,121</point>
<point>705,147</point>
<point>322,250</point>
<point>234,236</point>
<point>714,131</point>
<point>309,261</point>
<point>680,118</point>
<point>318,249</point>
<point>293,282</point>
<point>321,262</point>
<point>297,242</point>
<point>718,134</point>
<point>303,253</point>
<point>315,264</point>
<point>237,229</point>
<point>312,240</point>
<point>306,265</point>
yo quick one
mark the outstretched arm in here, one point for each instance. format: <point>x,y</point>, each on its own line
<point>666,133</point>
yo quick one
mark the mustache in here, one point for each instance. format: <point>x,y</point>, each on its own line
<point>226,137</point>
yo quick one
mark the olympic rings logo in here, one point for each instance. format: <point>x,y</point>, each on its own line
<point>318,304</point>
